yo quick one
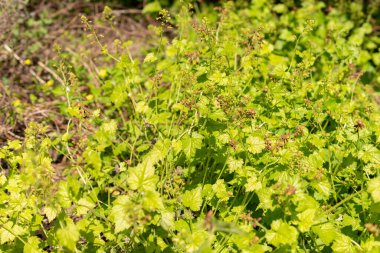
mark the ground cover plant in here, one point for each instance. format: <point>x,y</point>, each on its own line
<point>242,127</point>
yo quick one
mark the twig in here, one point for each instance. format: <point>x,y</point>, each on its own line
<point>15,135</point>
<point>18,58</point>
<point>41,64</point>
<point>130,11</point>
<point>54,74</point>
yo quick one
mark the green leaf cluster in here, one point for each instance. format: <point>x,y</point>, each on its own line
<point>253,129</point>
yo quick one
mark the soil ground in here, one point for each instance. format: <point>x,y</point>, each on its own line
<point>29,33</point>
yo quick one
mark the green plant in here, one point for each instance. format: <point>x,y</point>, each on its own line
<point>249,131</point>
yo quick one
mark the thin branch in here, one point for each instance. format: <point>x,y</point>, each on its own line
<point>18,58</point>
<point>54,74</point>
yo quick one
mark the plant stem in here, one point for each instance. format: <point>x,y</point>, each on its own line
<point>344,201</point>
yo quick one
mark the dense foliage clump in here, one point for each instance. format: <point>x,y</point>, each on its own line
<point>250,130</point>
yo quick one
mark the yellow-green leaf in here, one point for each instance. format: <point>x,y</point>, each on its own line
<point>374,189</point>
<point>193,199</point>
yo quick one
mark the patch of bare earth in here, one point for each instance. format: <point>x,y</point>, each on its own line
<point>19,81</point>
<point>21,98</point>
